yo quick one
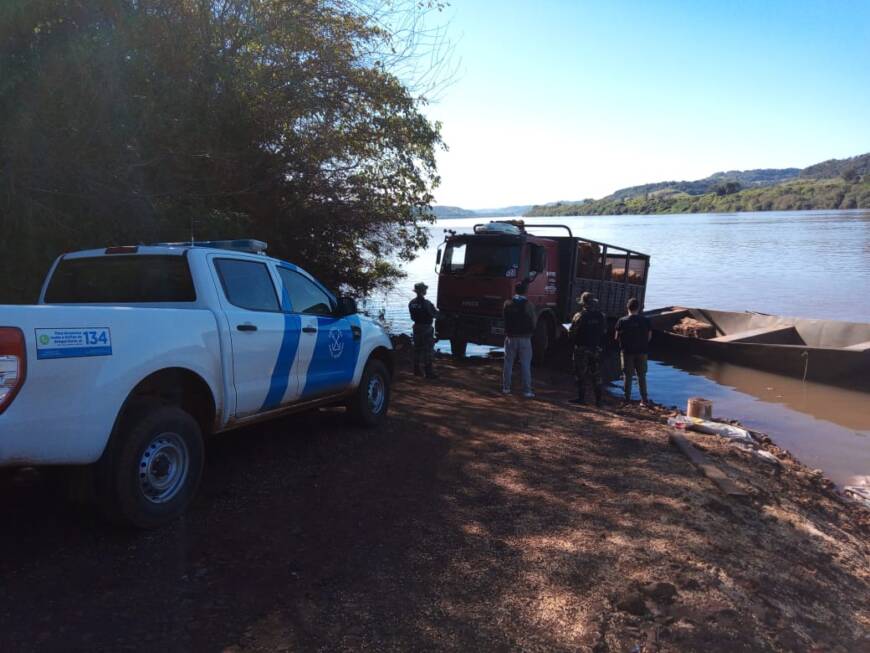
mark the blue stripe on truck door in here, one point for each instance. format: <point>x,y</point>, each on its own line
<point>335,356</point>
<point>286,355</point>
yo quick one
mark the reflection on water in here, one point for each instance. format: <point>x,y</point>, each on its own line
<point>812,264</point>
<point>848,408</point>
<point>823,426</point>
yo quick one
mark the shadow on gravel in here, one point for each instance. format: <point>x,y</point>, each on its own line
<point>469,521</point>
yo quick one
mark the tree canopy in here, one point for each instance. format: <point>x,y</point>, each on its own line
<point>126,121</point>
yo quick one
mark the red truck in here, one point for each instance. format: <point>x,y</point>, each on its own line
<point>478,271</point>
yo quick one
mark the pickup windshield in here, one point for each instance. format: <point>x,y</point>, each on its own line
<point>121,279</point>
<point>481,259</point>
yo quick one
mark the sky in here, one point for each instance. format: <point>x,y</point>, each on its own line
<point>558,100</point>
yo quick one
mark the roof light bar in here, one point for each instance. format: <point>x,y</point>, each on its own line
<point>248,245</point>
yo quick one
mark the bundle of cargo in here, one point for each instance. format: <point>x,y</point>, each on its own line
<point>588,261</point>
<point>692,328</point>
<point>619,275</point>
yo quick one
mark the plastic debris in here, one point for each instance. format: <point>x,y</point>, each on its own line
<point>714,428</point>
<point>860,493</point>
<point>767,457</point>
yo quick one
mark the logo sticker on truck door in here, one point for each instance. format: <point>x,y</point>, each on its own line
<point>73,342</point>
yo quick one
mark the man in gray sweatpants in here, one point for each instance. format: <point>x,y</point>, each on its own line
<point>519,325</point>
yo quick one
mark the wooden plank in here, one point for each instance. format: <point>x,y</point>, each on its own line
<point>708,469</point>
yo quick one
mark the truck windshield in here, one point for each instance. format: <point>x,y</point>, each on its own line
<point>121,279</point>
<point>481,259</point>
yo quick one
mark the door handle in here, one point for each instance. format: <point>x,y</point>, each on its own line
<point>246,327</point>
<point>357,332</point>
<point>309,329</point>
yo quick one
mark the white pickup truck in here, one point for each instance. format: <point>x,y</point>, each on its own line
<point>134,355</point>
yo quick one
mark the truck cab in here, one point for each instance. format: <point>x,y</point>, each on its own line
<point>478,272</point>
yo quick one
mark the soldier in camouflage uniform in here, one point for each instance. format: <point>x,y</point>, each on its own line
<point>587,333</point>
<point>423,313</point>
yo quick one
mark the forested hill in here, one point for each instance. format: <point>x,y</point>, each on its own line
<point>746,178</point>
<point>857,166</point>
<point>442,211</point>
<point>451,212</point>
<point>833,184</point>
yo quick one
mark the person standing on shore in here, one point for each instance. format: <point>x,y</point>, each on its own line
<point>633,332</point>
<point>423,313</point>
<point>519,325</point>
<point>586,335</point>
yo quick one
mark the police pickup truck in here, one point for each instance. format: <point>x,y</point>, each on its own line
<point>134,355</point>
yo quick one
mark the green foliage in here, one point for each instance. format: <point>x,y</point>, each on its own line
<point>789,196</point>
<point>745,178</point>
<point>762,189</point>
<point>850,175</point>
<point>131,121</point>
<point>850,169</point>
<point>727,188</point>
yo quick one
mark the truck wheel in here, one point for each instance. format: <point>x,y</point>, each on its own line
<point>541,341</point>
<point>152,467</point>
<point>369,404</point>
<point>457,347</point>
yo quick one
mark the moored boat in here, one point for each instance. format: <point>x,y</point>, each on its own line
<point>825,351</point>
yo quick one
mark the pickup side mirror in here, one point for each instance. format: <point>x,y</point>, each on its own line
<point>346,306</point>
<point>438,257</point>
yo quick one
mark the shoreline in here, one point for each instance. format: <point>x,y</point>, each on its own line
<point>761,441</point>
<point>778,417</point>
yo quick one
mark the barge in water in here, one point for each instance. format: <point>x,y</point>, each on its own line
<point>825,351</point>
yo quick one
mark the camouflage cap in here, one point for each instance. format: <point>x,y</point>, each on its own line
<point>586,298</point>
<point>420,286</point>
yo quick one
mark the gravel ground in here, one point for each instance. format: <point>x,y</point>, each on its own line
<point>469,521</point>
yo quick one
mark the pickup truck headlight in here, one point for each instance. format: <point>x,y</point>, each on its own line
<point>13,364</point>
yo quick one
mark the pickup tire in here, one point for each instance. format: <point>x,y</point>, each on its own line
<point>151,469</point>
<point>369,404</point>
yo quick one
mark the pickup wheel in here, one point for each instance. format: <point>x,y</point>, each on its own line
<point>152,467</point>
<point>369,404</point>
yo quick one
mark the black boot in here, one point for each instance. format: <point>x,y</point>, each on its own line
<point>417,371</point>
<point>581,392</point>
<point>430,373</point>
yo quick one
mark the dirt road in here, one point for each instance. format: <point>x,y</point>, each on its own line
<point>469,521</point>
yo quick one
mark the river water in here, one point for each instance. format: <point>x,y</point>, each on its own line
<point>812,264</point>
